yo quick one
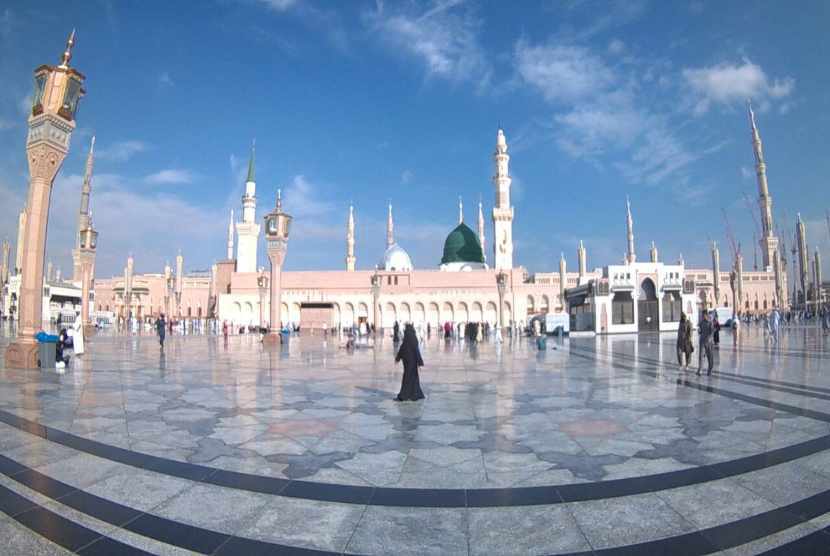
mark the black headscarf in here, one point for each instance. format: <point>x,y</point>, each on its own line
<point>409,347</point>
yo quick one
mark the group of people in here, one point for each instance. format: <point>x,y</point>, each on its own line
<point>708,330</point>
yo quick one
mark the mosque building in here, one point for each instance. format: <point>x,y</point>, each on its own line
<point>463,287</point>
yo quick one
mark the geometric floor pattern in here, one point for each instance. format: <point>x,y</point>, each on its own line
<point>593,446</point>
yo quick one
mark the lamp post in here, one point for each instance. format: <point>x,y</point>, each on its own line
<point>277,226</point>
<point>58,90</point>
<point>88,244</point>
<point>262,284</point>
<point>501,285</point>
<point>375,300</point>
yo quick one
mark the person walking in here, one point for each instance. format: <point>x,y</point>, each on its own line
<point>161,328</point>
<point>685,346</point>
<point>396,333</point>
<point>411,357</point>
<point>706,332</point>
<point>716,327</point>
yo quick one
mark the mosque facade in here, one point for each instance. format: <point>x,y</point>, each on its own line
<point>464,287</point>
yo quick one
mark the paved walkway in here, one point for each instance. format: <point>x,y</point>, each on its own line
<point>597,445</point>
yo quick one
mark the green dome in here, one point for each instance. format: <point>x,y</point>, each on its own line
<point>462,246</point>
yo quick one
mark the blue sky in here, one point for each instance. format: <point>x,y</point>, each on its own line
<point>365,102</point>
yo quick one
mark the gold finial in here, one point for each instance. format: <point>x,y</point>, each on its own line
<point>67,54</point>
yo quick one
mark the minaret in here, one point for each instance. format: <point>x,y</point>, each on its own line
<point>350,258</point>
<point>460,210</point>
<point>563,279</point>
<point>652,253</point>
<point>247,231</point>
<point>768,241</point>
<point>582,258</point>
<point>179,282</point>
<point>390,228</point>
<point>4,265</point>
<point>83,214</point>
<point>630,255</point>
<point>681,261</point>
<point>230,237</point>
<point>803,256</point>
<point>18,252</point>
<point>50,272</point>
<point>481,229</point>
<point>817,277</point>
<point>502,211</point>
<point>128,285</point>
<point>716,272</point>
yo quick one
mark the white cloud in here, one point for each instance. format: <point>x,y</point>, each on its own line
<point>447,43</point>
<point>25,105</point>
<point>407,176</point>
<point>616,47</point>
<point>6,124</point>
<point>562,73</point>
<point>591,128</point>
<point>302,198</point>
<point>170,176</point>
<point>122,151</point>
<point>727,84</point>
<point>278,5</point>
<point>165,80</point>
<point>746,173</point>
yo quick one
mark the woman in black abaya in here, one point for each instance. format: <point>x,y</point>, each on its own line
<point>411,357</point>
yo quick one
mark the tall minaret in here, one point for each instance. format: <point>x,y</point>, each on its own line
<point>817,277</point>
<point>18,252</point>
<point>390,228</point>
<point>768,241</point>
<point>502,211</point>
<point>460,210</point>
<point>630,255</point>
<point>179,282</point>
<point>563,279</point>
<point>230,237</point>
<point>582,258</point>
<point>83,214</point>
<point>350,258</point>
<point>803,256</point>
<point>247,231</point>
<point>716,272</point>
<point>4,265</point>
<point>652,253</point>
<point>481,229</point>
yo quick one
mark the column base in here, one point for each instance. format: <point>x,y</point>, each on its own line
<point>22,354</point>
<point>272,339</point>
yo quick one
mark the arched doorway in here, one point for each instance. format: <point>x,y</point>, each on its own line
<point>647,307</point>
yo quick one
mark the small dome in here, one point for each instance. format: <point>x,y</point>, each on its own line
<point>462,246</point>
<point>395,258</point>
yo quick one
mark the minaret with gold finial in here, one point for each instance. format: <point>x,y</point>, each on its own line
<point>502,211</point>
<point>350,258</point>
<point>768,241</point>
<point>247,231</point>
<point>83,215</point>
<point>582,260</point>
<point>653,253</point>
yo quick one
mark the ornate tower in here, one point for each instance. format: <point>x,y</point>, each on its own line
<point>230,237</point>
<point>390,228</point>
<point>652,253</point>
<point>817,277</point>
<point>481,230</point>
<point>21,232</point>
<point>768,241</point>
<point>563,279</point>
<point>247,231</point>
<point>83,214</point>
<point>502,211</point>
<point>582,259</point>
<point>716,272</point>
<point>179,283</point>
<point>350,258</point>
<point>58,90</point>
<point>460,210</point>
<point>630,255</point>
<point>803,256</point>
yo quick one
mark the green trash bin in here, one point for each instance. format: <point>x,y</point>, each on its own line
<point>46,354</point>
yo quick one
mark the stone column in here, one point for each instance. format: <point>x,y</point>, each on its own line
<point>276,255</point>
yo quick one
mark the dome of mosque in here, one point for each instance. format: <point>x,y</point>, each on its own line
<point>462,246</point>
<point>395,258</point>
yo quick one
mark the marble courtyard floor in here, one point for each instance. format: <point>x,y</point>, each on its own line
<point>595,446</point>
